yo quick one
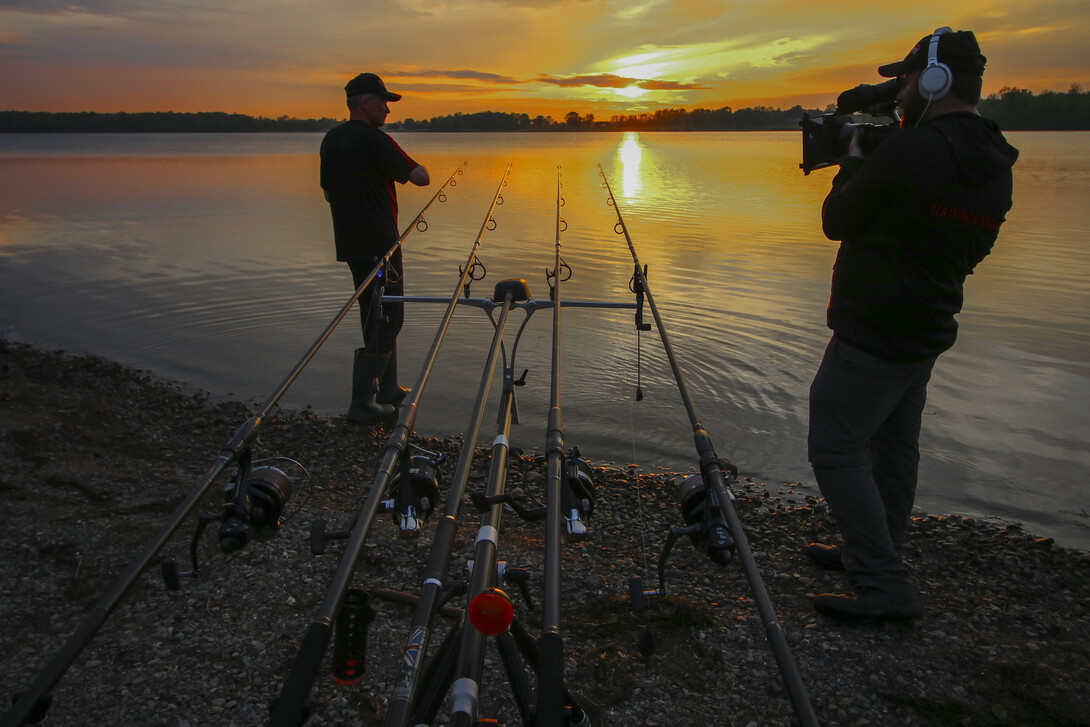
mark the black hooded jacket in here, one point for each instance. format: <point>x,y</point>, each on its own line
<point>914,219</point>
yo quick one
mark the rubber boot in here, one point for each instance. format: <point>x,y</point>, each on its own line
<point>366,369</point>
<point>388,390</point>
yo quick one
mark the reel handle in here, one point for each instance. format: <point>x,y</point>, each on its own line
<point>172,576</point>
<point>520,577</point>
<point>320,537</point>
<point>484,503</point>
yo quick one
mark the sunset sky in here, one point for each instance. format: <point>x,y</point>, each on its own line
<point>292,57</point>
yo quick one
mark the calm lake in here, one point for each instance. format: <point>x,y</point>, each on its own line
<point>208,260</point>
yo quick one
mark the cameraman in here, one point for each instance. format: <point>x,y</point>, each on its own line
<point>913,218</point>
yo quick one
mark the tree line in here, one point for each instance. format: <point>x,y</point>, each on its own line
<point>90,122</point>
<point>1014,109</point>
<point>723,119</point>
<point>1017,109</point>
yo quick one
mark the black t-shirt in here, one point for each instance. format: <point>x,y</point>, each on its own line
<point>360,164</point>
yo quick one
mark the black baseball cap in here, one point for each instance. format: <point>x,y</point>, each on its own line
<point>369,83</point>
<point>958,50</point>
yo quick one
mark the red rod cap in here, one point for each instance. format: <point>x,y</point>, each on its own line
<point>491,611</point>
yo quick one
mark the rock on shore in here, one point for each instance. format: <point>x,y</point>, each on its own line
<point>97,457</point>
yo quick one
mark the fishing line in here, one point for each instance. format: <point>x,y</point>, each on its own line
<point>305,488</point>
<point>644,545</point>
<point>633,286</point>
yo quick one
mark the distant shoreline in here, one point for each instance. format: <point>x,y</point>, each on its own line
<point>1013,109</point>
<point>151,122</point>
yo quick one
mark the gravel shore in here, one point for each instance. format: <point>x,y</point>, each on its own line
<point>97,457</point>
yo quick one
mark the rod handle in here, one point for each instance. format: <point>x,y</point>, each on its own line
<point>291,709</point>
<point>350,636</point>
<point>550,679</point>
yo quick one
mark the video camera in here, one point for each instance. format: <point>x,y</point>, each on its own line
<point>825,137</point>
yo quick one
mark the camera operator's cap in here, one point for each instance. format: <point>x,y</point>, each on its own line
<point>958,50</point>
<point>369,83</point>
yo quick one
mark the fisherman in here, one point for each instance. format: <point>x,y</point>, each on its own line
<point>359,165</point>
<point>914,218</point>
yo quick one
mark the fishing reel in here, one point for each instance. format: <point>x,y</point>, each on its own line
<point>254,502</point>
<point>414,491</point>
<point>577,495</point>
<point>409,506</point>
<point>705,524</point>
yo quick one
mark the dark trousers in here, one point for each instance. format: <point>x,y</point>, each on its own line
<point>863,444</point>
<point>380,322</point>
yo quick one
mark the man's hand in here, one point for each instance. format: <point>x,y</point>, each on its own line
<point>855,148</point>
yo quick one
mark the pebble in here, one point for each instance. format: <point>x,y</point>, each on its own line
<point>218,652</point>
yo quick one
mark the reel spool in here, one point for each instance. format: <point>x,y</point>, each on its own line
<point>692,498</point>
<point>707,528</point>
<point>582,484</point>
<point>268,490</point>
<point>411,507</point>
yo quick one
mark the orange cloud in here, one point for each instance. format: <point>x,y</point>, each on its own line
<point>293,58</point>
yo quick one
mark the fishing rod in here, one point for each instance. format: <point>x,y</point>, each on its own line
<point>35,701</point>
<point>256,499</point>
<point>565,509</point>
<point>719,528</point>
<point>290,709</point>
<point>551,660</point>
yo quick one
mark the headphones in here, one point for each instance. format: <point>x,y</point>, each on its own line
<point>935,80</point>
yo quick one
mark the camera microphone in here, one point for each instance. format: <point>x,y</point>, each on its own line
<point>865,96</point>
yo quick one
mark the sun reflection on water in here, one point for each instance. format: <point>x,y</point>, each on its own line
<point>630,152</point>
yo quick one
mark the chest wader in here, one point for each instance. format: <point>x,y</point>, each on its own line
<point>389,392</point>
<point>367,370</point>
<point>374,369</point>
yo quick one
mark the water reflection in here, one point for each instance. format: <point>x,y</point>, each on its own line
<point>215,268</point>
<point>630,151</point>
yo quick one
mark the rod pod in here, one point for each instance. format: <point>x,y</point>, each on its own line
<point>407,683</point>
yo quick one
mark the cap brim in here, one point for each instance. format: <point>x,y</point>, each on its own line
<point>391,96</point>
<point>892,70</point>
